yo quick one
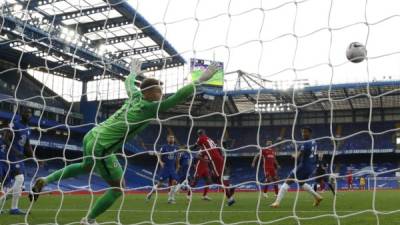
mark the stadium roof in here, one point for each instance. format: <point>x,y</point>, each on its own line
<point>81,39</point>
<point>351,96</point>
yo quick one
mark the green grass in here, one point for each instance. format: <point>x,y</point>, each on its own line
<point>353,208</point>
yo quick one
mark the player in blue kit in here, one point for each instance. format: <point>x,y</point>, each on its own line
<point>3,165</point>
<point>183,168</point>
<point>5,177</point>
<point>19,140</point>
<point>167,157</point>
<point>305,167</point>
<point>3,170</point>
<point>3,161</point>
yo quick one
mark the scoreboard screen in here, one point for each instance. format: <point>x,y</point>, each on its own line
<point>197,66</point>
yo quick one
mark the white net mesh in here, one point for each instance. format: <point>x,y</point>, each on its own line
<point>285,68</point>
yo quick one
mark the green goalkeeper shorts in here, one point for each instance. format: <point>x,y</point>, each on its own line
<point>105,163</point>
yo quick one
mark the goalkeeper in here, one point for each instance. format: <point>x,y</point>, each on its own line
<point>100,143</point>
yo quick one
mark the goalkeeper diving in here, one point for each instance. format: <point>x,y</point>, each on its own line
<point>101,142</point>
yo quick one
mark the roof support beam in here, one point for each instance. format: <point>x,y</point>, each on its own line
<point>103,24</point>
<point>68,50</point>
<point>233,104</point>
<point>346,94</point>
<point>382,111</point>
<point>150,65</point>
<point>380,99</point>
<point>135,51</point>
<point>97,64</point>
<point>29,60</point>
<point>119,39</point>
<point>162,63</point>
<point>254,81</point>
<point>29,4</point>
<point>316,99</point>
<point>125,9</point>
<point>83,12</point>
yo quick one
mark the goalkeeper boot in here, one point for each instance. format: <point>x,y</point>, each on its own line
<point>265,195</point>
<point>86,221</point>
<point>37,189</point>
<point>317,201</point>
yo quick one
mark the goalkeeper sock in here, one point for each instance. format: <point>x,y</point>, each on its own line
<point>310,190</point>
<point>104,202</point>
<point>72,170</point>
<point>16,190</point>
<point>282,192</point>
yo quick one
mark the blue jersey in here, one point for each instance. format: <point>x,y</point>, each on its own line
<point>21,137</point>
<point>3,158</point>
<point>169,156</point>
<point>307,159</point>
<point>184,159</point>
<point>3,150</point>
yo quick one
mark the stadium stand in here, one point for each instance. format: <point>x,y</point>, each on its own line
<point>140,172</point>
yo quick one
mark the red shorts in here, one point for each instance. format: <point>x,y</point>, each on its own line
<point>202,173</point>
<point>219,166</point>
<point>270,172</point>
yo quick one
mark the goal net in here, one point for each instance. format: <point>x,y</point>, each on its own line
<point>64,65</point>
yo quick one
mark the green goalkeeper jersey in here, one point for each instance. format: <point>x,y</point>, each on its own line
<point>133,116</point>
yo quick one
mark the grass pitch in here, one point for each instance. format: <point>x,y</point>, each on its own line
<point>352,208</point>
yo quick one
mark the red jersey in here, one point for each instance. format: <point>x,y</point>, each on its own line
<point>210,148</point>
<point>350,178</point>
<point>202,163</point>
<point>269,158</point>
<point>206,143</point>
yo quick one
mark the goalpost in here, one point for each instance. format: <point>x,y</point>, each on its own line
<point>280,48</point>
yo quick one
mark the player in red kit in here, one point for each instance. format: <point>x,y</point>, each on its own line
<point>350,180</point>
<point>217,163</point>
<point>270,166</point>
<point>202,171</point>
